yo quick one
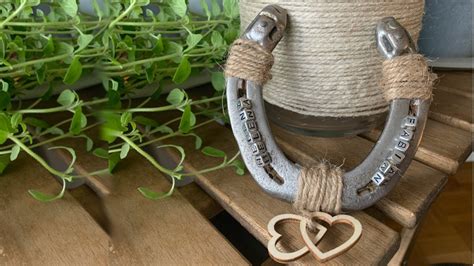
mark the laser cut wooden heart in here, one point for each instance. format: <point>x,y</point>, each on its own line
<point>331,220</point>
<point>285,257</point>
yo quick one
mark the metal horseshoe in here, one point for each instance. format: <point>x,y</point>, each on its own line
<point>376,176</point>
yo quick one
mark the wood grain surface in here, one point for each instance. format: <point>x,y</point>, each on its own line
<point>241,196</point>
<point>456,80</point>
<point>452,104</point>
<point>144,231</point>
<point>38,233</point>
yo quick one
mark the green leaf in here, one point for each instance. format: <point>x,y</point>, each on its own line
<point>114,159</point>
<point>101,153</point>
<point>188,120</point>
<point>182,72</point>
<point>150,194</point>
<point>69,6</point>
<point>14,153</point>
<point>205,9</point>
<point>74,71</point>
<point>125,118</point>
<point>124,150</point>
<point>114,99</point>
<point>79,121</point>
<point>164,129</point>
<point>64,48</point>
<point>145,121</point>
<point>215,8</point>
<point>159,47</point>
<point>231,34</point>
<point>150,73</point>
<point>111,84</point>
<point>16,119</point>
<point>216,39</point>
<point>231,8</point>
<point>4,100</point>
<point>54,131</point>
<point>41,196</point>
<point>218,81</point>
<point>48,49</point>
<point>89,143</point>
<point>97,9</point>
<point>41,74</point>
<point>45,197</point>
<point>210,151</point>
<point>239,167</point>
<point>66,98</point>
<point>5,85</point>
<point>84,40</point>
<point>178,6</point>
<point>4,162</point>
<point>32,121</point>
<point>192,40</point>
<point>5,123</point>
<point>197,141</point>
<point>175,97</point>
<point>111,128</point>
<point>3,136</point>
<point>108,134</point>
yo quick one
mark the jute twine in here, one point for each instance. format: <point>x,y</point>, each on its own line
<point>327,65</point>
<point>319,189</point>
<point>407,77</point>
<point>248,60</point>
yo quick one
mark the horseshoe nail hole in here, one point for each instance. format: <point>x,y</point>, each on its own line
<point>414,106</point>
<point>274,175</point>
<point>241,88</point>
<point>272,33</point>
<point>367,189</point>
<point>387,44</point>
<point>336,235</point>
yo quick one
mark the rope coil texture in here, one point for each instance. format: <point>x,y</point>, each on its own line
<point>250,61</point>
<point>407,77</point>
<point>327,65</point>
<point>319,189</point>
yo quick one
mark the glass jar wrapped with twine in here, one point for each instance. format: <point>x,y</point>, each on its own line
<point>326,76</point>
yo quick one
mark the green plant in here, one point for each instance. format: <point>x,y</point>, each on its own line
<point>128,45</point>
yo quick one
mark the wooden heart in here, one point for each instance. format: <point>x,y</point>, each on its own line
<point>284,257</point>
<point>331,220</point>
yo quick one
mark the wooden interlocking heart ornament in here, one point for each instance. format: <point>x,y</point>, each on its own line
<point>331,220</point>
<point>284,257</point>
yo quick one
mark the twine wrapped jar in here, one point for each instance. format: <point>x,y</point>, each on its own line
<point>327,71</point>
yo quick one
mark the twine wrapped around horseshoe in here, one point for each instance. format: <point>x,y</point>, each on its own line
<point>407,83</point>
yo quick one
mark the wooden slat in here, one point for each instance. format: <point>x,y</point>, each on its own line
<point>407,236</point>
<point>37,233</point>
<point>406,203</point>
<point>200,200</point>
<point>241,197</point>
<point>458,80</point>
<point>452,109</point>
<point>442,147</point>
<point>144,231</point>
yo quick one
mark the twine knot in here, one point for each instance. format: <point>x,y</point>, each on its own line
<point>319,189</point>
<point>250,61</point>
<point>407,77</point>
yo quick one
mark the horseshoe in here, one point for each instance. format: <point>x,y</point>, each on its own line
<point>376,176</point>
